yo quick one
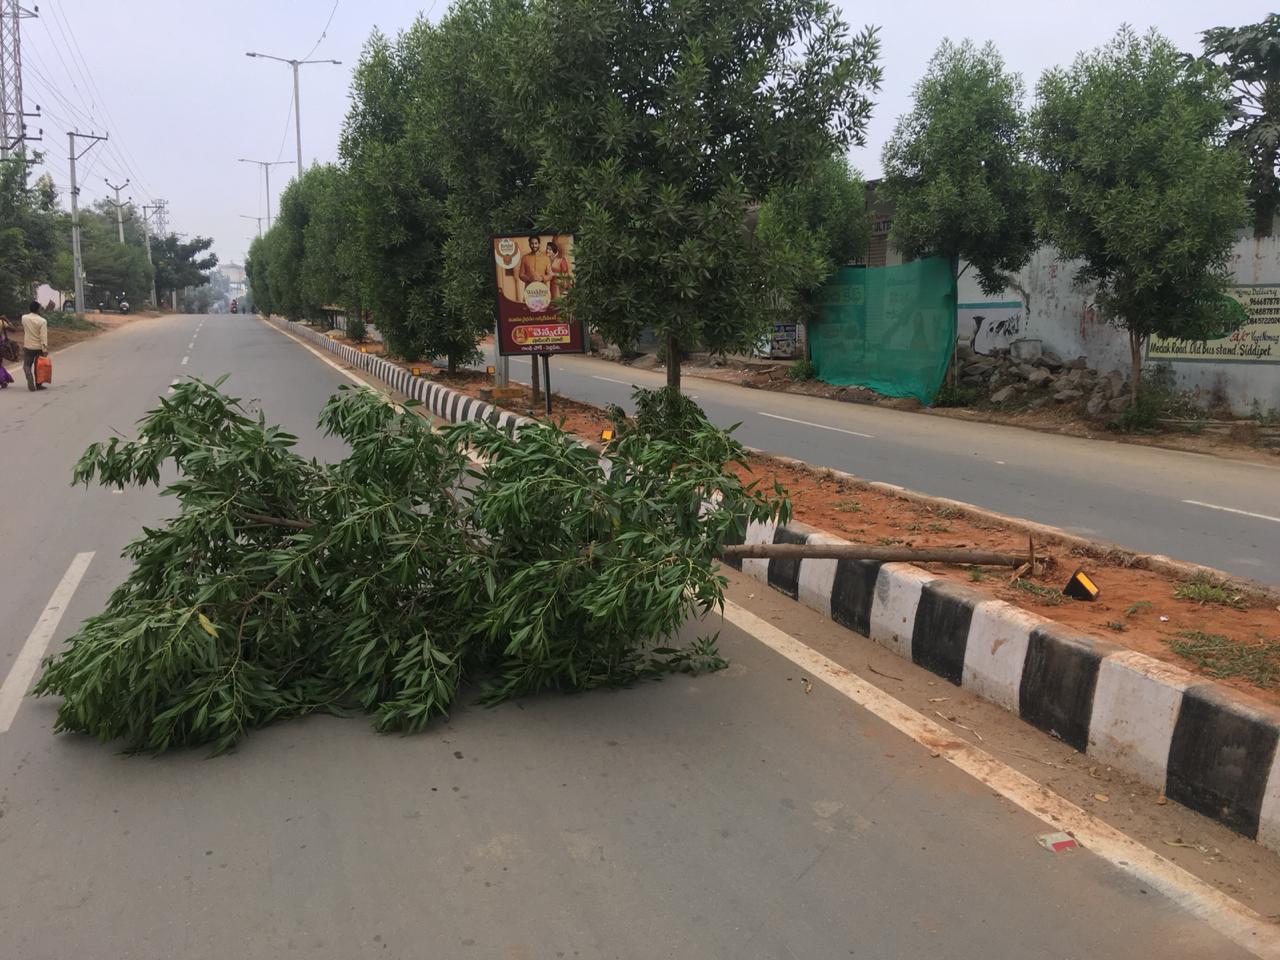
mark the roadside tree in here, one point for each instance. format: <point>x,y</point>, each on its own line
<point>179,263</point>
<point>956,167</point>
<point>1135,184</point>
<point>28,236</point>
<point>657,128</point>
<point>1251,57</point>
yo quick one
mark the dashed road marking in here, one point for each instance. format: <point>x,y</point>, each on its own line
<point>185,359</point>
<point>819,426</point>
<point>1243,513</point>
<point>24,667</point>
<point>622,383</point>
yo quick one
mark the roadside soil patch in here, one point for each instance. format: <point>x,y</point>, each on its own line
<point>1203,626</point>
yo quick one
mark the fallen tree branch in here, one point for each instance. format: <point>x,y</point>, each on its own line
<point>858,551</point>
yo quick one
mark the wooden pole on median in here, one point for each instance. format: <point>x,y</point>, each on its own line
<point>856,551</point>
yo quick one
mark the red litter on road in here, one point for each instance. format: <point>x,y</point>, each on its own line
<point>1057,842</point>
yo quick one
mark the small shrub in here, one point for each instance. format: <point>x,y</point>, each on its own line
<point>849,506</point>
<point>802,370</point>
<point>1046,595</point>
<point>356,330</point>
<point>1158,398</point>
<point>1203,590</point>
<point>954,395</point>
<point>1135,607</point>
<point>1222,657</point>
<point>976,574</point>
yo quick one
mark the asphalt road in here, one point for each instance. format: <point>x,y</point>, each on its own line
<point>1218,512</point>
<point>722,816</point>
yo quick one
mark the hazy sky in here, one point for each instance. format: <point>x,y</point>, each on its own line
<point>170,82</point>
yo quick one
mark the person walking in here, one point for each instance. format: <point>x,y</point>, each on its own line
<point>35,343</point>
<point>6,346</point>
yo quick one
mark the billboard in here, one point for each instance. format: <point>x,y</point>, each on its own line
<point>1258,341</point>
<point>532,272</point>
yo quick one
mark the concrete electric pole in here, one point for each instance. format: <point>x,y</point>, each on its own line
<point>77,265</point>
<point>118,205</point>
<point>149,211</point>
<point>297,104</point>
<point>13,114</point>
<point>266,166</point>
<point>246,216</point>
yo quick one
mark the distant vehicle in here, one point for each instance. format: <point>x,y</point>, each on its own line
<point>124,306</point>
<point>235,308</point>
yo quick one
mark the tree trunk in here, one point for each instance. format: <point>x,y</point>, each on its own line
<point>453,364</point>
<point>673,362</point>
<point>860,551</point>
<point>1135,364</point>
<point>535,378</point>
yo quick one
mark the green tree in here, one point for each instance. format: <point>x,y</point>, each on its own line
<point>805,230</point>
<point>657,127</point>
<point>179,264</point>
<point>485,163</point>
<point>956,169</point>
<point>112,270</point>
<point>1251,57</point>
<point>396,200</point>
<point>28,236</point>
<point>1135,184</point>
<point>256,272</point>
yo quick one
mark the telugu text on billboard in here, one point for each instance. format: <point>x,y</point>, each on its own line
<point>1258,341</point>
<point>533,271</point>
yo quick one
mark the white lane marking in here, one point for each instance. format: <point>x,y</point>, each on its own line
<point>185,359</point>
<point>24,667</point>
<point>820,426</point>
<point>192,343</point>
<point>1243,513</point>
<point>622,383</point>
<point>315,352</point>
<point>1230,918</point>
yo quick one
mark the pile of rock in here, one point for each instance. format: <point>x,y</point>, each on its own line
<point>1046,379</point>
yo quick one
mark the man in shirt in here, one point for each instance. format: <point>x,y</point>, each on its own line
<point>35,343</point>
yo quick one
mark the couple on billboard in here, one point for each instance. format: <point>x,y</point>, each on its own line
<point>534,270</point>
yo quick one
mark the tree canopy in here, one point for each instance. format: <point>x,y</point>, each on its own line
<point>956,167</point>
<point>1250,55</point>
<point>28,235</point>
<point>1135,186</point>
<point>178,262</point>
<point>657,126</point>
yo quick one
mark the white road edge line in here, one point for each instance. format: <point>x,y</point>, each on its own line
<point>622,383</point>
<point>325,360</point>
<point>24,667</point>
<point>820,426</point>
<point>1232,919</point>
<point>1243,513</point>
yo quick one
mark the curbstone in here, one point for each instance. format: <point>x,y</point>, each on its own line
<point>1221,756</point>
<point>893,608</point>
<point>1058,681</point>
<point>996,651</point>
<point>1135,709</point>
<point>1203,744</point>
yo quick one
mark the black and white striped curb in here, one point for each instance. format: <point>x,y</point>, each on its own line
<point>1204,745</point>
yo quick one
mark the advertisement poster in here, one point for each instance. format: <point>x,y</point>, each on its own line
<point>533,271</point>
<point>1258,341</point>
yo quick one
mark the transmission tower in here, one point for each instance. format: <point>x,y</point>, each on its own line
<point>13,113</point>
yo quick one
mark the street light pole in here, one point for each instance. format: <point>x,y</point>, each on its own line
<point>266,166</point>
<point>297,103</point>
<point>257,220</point>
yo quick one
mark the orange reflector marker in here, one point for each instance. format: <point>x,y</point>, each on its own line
<point>1080,587</point>
<point>606,435</point>
<point>417,371</point>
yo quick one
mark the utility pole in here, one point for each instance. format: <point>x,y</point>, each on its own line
<point>13,114</point>
<point>297,104</point>
<point>266,166</point>
<point>118,205</point>
<point>77,265</point>
<point>148,211</point>
<point>246,216</point>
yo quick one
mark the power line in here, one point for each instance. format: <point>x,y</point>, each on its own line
<point>323,33</point>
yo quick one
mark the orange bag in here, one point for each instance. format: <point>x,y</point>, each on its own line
<point>44,370</point>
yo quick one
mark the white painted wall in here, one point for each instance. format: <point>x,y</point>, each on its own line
<point>1051,307</point>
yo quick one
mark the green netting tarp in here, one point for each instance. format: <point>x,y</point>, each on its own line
<point>891,329</point>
